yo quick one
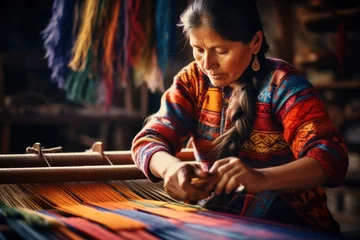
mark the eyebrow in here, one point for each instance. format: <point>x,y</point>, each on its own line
<point>213,47</point>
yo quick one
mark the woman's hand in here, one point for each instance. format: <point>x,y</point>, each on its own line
<point>233,173</point>
<point>179,182</point>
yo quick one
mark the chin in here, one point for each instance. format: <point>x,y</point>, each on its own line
<point>219,83</point>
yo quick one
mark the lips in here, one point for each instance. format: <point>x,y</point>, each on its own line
<point>217,75</point>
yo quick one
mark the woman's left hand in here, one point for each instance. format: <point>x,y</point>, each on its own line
<point>232,173</point>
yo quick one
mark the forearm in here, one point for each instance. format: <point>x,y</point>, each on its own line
<point>302,173</point>
<point>160,161</point>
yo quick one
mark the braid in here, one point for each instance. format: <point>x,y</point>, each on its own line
<point>242,111</point>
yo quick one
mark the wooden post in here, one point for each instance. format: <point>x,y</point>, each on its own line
<point>2,82</point>
<point>121,131</point>
<point>285,17</point>
<point>5,127</point>
<point>144,99</point>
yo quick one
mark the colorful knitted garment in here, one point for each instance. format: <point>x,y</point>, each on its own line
<point>291,122</point>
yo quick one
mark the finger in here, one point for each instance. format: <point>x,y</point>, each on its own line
<point>218,164</point>
<point>225,178</point>
<point>193,193</point>
<point>191,190</point>
<point>200,173</point>
<point>212,182</point>
<point>175,192</point>
<point>184,181</point>
<point>225,168</point>
<point>181,195</point>
<point>199,183</point>
<point>207,184</point>
<point>233,183</point>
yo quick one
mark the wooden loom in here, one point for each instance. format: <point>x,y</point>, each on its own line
<point>69,189</point>
<point>48,165</point>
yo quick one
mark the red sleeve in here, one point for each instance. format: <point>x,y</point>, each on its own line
<point>308,128</point>
<point>172,124</point>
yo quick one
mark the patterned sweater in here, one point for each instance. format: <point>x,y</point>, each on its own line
<point>290,123</point>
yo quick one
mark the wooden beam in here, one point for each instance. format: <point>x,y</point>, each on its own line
<point>285,18</point>
<point>2,82</point>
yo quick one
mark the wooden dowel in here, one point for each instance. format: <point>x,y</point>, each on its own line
<point>69,174</point>
<point>76,159</point>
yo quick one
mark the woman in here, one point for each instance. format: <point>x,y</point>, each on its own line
<point>255,122</point>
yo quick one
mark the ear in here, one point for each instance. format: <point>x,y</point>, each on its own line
<point>256,42</point>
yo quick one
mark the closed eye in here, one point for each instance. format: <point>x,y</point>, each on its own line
<point>199,50</point>
<point>220,51</point>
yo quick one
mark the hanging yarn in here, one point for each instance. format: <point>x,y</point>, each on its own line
<point>154,76</point>
<point>174,46</point>
<point>84,38</point>
<point>58,38</point>
<point>96,46</point>
<point>81,85</point>
<point>108,46</point>
<point>163,31</point>
<point>136,33</point>
<point>146,20</point>
<point>148,70</point>
<point>124,63</point>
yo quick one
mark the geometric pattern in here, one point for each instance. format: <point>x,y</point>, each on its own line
<point>265,142</point>
<point>290,122</point>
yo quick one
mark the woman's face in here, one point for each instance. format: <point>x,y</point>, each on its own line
<point>223,61</point>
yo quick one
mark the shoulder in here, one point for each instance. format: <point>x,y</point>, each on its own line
<point>284,77</point>
<point>279,70</point>
<point>287,82</point>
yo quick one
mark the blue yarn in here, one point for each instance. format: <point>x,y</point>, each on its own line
<point>163,32</point>
<point>118,47</point>
<point>2,237</point>
<point>218,232</point>
<point>174,47</point>
<point>153,221</point>
<point>257,224</point>
<point>58,39</point>
<point>26,232</point>
<point>157,225</point>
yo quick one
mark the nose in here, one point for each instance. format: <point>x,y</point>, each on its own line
<point>210,62</point>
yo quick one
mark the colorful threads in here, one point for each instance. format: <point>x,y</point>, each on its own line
<point>101,44</point>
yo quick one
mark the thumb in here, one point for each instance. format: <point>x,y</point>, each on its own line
<point>200,173</point>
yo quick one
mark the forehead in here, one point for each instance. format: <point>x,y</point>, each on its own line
<point>205,37</point>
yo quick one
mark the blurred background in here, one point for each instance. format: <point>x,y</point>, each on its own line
<point>79,71</point>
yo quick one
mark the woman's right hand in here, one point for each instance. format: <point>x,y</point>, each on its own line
<point>178,182</point>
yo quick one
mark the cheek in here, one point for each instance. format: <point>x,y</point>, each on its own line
<point>237,66</point>
<point>231,66</point>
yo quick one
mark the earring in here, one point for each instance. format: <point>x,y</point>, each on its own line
<point>255,64</point>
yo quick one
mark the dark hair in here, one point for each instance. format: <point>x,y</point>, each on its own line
<point>233,20</point>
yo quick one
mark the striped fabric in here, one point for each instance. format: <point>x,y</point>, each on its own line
<point>291,122</point>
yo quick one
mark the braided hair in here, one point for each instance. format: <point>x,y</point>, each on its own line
<point>233,20</point>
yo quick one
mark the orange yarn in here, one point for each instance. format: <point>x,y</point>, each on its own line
<point>84,38</point>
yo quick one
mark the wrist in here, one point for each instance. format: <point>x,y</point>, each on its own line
<point>266,182</point>
<point>160,163</point>
<point>167,169</point>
